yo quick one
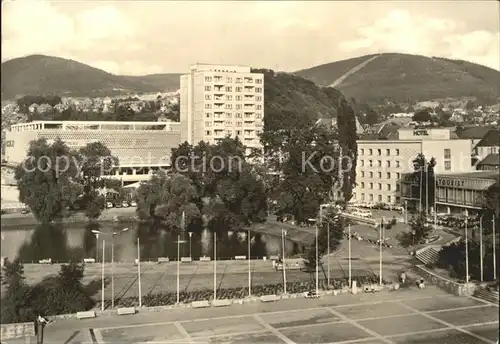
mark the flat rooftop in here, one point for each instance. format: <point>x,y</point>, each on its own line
<point>473,175</point>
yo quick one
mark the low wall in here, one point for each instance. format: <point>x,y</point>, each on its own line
<point>11,331</point>
<point>459,289</point>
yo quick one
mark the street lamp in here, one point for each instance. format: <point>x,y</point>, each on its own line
<point>249,267</point>
<point>215,266</point>
<point>481,246</point>
<point>494,252</point>
<point>406,211</point>
<point>317,255</point>
<point>96,247</point>
<point>283,234</point>
<point>179,242</point>
<point>190,235</point>
<point>381,235</point>
<point>466,252</point>
<point>112,260</point>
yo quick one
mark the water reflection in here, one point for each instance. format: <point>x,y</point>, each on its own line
<point>64,242</point>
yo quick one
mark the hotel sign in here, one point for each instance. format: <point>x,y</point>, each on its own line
<point>420,132</point>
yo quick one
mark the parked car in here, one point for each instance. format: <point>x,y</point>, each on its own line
<point>25,211</point>
<point>118,204</point>
<point>109,205</point>
<point>361,213</point>
<point>133,204</point>
<point>125,204</point>
<point>311,295</point>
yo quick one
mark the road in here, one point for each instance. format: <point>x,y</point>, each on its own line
<point>405,316</point>
<point>156,278</point>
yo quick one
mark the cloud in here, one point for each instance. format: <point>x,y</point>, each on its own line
<point>36,26</point>
<point>400,31</point>
<point>140,37</point>
<point>127,68</point>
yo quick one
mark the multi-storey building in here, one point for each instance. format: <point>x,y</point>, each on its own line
<point>217,101</point>
<point>381,163</point>
<point>141,147</point>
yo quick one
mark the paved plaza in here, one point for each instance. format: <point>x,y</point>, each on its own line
<point>404,316</point>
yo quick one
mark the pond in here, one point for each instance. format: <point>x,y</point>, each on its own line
<point>71,241</point>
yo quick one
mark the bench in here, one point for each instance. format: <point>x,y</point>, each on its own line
<point>45,261</point>
<point>186,260</point>
<point>85,315</point>
<point>126,311</point>
<point>240,257</point>
<point>273,258</point>
<point>89,260</point>
<point>200,304</point>
<point>221,303</point>
<point>371,288</point>
<point>163,260</point>
<point>269,298</point>
<point>204,259</point>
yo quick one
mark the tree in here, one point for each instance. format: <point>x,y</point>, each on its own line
<point>335,224</point>
<point>13,299</point>
<point>419,231</point>
<point>371,117</point>
<point>422,116</point>
<point>425,176</point>
<point>470,105</point>
<point>162,201</point>
<point>46,180</point>
<point>231,195</point>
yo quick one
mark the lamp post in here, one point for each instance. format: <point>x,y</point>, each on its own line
<point>317,263</point>
<point>96,247</point>
<point>102,274</point>
<point>494,252</point>
<point>350,273</point>
<point>112,261</point>
<point>466,253</point>
<point>139,271</point>
<point>283,234</point>
<point>481,246</point>
<point>249,267</point>
<point>179,242</point>
<point>380,253</point>
<point>190,235</point>
<point>215,266</point>
<point>406,211</point>
<point>328,253</point>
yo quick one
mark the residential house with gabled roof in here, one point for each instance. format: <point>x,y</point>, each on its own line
<point>490,162</point>
<point>489,144</point>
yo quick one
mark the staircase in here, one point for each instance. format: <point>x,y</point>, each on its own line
<point>429,255</point>
<point>487,295</point>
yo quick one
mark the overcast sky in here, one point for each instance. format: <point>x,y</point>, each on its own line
<point>143,37</point>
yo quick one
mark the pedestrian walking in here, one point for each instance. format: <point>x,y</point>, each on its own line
<point>403,277</point>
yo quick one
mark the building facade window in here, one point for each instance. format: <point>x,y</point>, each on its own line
<point>387,152</point>
<point>397,152</point>
<point>388,175</point>
<point>447,153</point>
<point>379,152</point>
<point>371,174</point>
<point>370,152</point>
<point>447,165</point>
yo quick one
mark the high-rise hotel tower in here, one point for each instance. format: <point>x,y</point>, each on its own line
<point>219,101</point>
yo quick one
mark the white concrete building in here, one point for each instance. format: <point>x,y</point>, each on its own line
<point>218,101</point>
<point>381,163</point>
<point>141,147</point>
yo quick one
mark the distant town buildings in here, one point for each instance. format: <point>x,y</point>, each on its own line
<point>217,101</point>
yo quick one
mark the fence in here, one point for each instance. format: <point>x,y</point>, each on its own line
<point>12,331</point>
<point>459,289</point>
